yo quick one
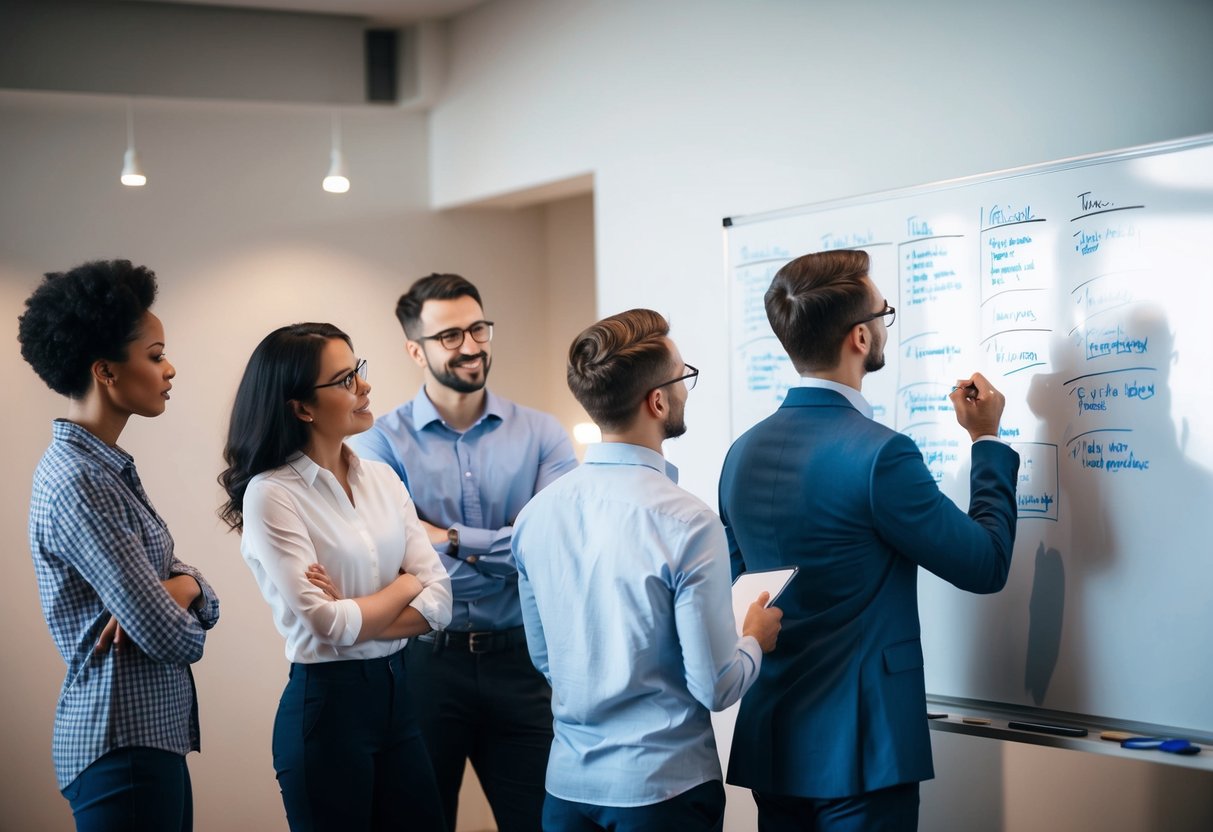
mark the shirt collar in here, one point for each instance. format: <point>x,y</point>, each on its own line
<point>111,456</point>
<point>849,393</point>
<point>308,470</point>
<point>425,414</point>
<point>621,453</point>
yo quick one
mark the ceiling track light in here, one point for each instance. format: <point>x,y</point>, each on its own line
<point>132,172</point>
<point>337,180</point>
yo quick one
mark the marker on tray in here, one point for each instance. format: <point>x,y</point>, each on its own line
<point>1045,728</point>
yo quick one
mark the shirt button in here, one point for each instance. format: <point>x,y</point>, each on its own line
<point>467,473</point>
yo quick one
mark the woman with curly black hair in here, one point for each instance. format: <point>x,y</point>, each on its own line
<point>128,617</point>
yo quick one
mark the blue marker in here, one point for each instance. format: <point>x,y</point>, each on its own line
<point>1171,746</point>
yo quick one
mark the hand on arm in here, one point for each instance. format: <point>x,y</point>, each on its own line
<point>382,612</point>
<point>385,613</point>
<point>978,406</point>
<point>181,588</point>
<point>436,535</point>
<point>184,590</point>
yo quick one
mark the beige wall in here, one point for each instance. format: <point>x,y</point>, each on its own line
<point>234,222</point>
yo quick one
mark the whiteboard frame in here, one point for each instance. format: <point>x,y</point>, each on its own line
<point>994,709</point>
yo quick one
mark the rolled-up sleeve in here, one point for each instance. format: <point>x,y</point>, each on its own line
<point>207,610</point>
<point>276,544</point>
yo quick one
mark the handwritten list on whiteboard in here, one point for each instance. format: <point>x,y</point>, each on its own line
<point>1084,290</point>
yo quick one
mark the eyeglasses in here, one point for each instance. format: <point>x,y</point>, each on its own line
<point>452,339</point>
<point>692,376</point>
<point>888,312</point>
<point>347,380</point>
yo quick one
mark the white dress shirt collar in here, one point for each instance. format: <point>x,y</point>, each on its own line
<point>849,393</point>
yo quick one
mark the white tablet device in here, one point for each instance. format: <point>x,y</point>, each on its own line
<point>749,585</point>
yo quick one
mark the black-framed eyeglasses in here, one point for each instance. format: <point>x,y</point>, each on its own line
<point>691,376</point>
<point>888,312</point>
<point>452,339</point>
<point>347,380</point>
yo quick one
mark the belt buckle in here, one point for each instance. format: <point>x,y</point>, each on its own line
<point>476,638</point>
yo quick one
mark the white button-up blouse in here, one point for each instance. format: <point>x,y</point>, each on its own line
<point>299,514</point>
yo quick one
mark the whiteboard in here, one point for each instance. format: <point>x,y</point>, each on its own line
<point>1084,290</point>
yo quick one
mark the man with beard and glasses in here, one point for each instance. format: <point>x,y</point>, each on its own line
<point>471,461</point>
<point>625,593</point>
<point>834,735</point>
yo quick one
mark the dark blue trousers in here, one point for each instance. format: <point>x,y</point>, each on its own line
<point>348,752</point>
<point>700,809</point>
<point>894,809</point>
<point>133,789</point>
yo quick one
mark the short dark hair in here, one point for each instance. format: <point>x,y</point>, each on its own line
<point>434,287</point>
<point>615,362</point>
<point>814,301</point>
<point>264,429</point>
<point>77,317</point>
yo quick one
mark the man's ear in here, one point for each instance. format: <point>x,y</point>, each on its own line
<point>302,412</point>
<point>859,339</point>
<point>656,403</point>
<point>413,348</point>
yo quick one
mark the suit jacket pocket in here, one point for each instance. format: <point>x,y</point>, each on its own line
<point>904,655</point>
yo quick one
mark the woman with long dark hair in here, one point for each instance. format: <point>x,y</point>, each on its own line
<point>348,571</point>
<point>128,617</point>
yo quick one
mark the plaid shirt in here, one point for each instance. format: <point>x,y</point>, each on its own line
<point>101,550</point>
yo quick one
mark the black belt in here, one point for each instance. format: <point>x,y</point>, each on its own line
<point>488,641</point>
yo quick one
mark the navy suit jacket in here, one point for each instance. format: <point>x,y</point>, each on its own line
<point>839,707</point>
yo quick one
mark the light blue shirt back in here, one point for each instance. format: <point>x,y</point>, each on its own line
<point>475,481</point>
<point>624,582</point>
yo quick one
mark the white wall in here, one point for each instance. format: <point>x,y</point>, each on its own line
<point>687,111</point>
<point>242,238</point>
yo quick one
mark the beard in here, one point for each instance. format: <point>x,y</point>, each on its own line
<point>675,424</point>
<point>448,378</point>
<point>874,360</point>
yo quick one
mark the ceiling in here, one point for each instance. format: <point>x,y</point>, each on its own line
<point>381,11</point>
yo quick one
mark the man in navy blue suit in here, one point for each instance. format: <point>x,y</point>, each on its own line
<point>833,735</point>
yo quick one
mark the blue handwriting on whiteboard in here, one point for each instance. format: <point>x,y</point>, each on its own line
<point>1001,215</point>
<point>831,241</point>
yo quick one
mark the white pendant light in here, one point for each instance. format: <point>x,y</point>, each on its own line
<point>132,173</point>
<point>337,180</point>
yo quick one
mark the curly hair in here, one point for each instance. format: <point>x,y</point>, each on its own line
<point>613,363</point>
<point>80,316</point>
<point>264,430</point>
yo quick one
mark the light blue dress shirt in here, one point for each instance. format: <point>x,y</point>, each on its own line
<point>475,481</point>
<point>624,581</point>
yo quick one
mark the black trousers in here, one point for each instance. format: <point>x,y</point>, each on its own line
<point>348,751</point>
<point>491,708</point>
<point>894,809</point>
